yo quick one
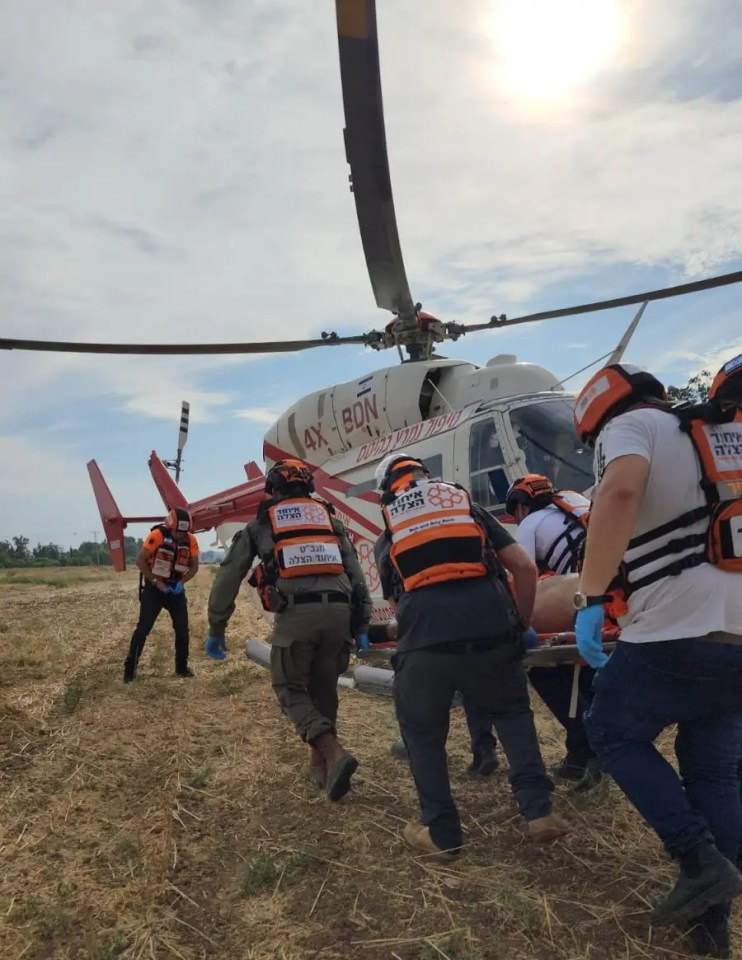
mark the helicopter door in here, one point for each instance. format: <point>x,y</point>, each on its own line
<point>481,461</point>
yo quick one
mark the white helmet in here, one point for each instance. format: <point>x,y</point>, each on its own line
<point>385,470</point>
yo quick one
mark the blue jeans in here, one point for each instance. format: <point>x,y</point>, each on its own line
<point>696,684</point>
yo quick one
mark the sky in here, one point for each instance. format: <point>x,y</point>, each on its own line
<point>174,171</point>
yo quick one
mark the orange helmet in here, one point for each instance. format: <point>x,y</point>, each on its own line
<point>178,520</point>
<point>288,473</point>
<point>533,490</point>
<point>609,392</point>
<point>396,471</point>
<point>727,384</point>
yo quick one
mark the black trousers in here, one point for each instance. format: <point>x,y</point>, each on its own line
<point>494,682</point>
<point>151,603</point>
<point>479,723</point>
<point>554,686</point>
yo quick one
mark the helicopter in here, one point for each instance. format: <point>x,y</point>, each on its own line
<point>478,425</point>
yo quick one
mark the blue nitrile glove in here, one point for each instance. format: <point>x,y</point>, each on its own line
<point>176,588</point>
<point>362,642</point>
<point>589,634</point>
<point>529,639</point>
<point>216,647</point>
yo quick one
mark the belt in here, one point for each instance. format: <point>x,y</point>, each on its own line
<point>330,597</point>
<point>472,646</point>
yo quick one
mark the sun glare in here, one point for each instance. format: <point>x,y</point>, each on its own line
<point>547,48</point>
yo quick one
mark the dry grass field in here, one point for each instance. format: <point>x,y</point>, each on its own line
<point>167,818</point>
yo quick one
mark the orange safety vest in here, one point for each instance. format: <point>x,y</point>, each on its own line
<point>718,446</point>
<point>306,544</point>
<point>171,559</point>
<point>434,536</point>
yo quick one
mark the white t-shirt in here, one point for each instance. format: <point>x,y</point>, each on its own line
<point>700,600</point>
<point>538,532</point>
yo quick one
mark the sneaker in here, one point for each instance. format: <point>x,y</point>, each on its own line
<point>186,672</point>
<point>418,836</point>
<point>483,765</point>
<point>544,829</point>
<point>706,878</point>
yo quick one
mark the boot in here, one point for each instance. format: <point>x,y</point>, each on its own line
<point>547,828</point>
<point>568,769</point>
<point>591,778</point>
<point>418,836</point>
<point>315,772</point>
<point>399,751</point>
<point>339,764</point>
<point>706,878</point>
<point>130,670</point>
<point>709,936</point>
<point>184,672</point>
<point>484,764</point>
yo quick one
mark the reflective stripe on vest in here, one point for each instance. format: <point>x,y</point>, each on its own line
<point>306,544</point>
<point>434,536</point>
<point>171,559</point>
<point>711,533</point>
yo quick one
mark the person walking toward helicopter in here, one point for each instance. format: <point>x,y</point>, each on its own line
<point>167,561</point>
<point>441,562</point>
<point>666,531</point>
<point>310,577</point>
<point>552,528</point>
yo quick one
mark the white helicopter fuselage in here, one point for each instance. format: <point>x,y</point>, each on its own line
<point>478,426</point>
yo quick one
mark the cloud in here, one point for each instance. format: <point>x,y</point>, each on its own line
<point>258,415</point>
<point>174,173</point>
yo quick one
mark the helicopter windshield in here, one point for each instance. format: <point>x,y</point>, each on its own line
<point>546,434</point>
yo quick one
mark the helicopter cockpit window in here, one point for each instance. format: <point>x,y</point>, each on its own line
<point>546,434</point>
<point>486,466</point>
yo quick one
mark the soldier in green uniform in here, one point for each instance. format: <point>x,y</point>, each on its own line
<point>310,578</point>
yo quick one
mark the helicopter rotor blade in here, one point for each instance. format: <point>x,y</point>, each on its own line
<point>187,349</point>
<point>366,152</point>
<point>696,286</point>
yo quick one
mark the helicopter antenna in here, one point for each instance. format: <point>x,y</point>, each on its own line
<point>441,395</point>
<point>613,356</point>
<point>185,412</point>
<point>624,341</point>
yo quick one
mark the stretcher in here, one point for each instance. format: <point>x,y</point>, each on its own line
<point>553,650</point>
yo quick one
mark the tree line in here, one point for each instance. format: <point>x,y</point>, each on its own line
<point>18,552</point>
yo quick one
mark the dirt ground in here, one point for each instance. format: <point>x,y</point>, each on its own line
<point>167,818</point>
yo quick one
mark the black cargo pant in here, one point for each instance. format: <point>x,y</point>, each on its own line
<point>479,724</point>
<point>493,680</point>
<point>310,648</point>
<point>554,686</point>
<point>151,603</point>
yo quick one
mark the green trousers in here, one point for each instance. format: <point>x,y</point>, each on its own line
<point>310,648</point>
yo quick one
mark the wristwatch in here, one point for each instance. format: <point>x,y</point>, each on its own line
<point>581,600</point>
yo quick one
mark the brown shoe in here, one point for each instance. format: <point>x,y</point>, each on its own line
<point>315,772</point>
<point>547,828</point>
<point>339,765</point>
<point>418,836</point>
